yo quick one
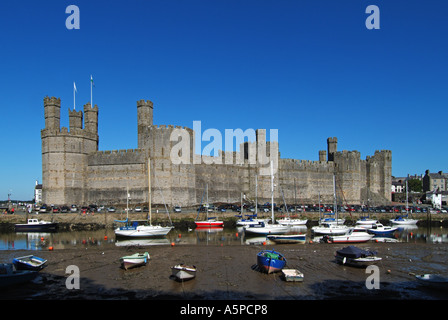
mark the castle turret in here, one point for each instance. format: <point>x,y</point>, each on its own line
<point>144,119</point>
<point>75,119</point>
<point>322,155</point>
<point>52,110</point>
<point>91,118</point>
<point>332,147</point>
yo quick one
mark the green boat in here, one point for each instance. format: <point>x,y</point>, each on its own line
<point>135,260</point>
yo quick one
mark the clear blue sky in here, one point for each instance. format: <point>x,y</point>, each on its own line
<point>310,69</point>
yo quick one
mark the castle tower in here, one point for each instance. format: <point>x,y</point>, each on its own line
<point>64,153</point>
<point>332,147</point>
<point>144,120</point>
<point>322,155</point>
<point>91,118</point>
<point>75,119</point>
<point>52,110</point>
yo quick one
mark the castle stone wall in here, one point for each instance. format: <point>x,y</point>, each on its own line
<point>74,171</point>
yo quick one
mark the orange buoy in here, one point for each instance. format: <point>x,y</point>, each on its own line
<point>41,238</point>
<point>50,248</point>
<point>172,244</point>
<point>264,243</point>
<point>179,235</point>
<point>105,237</point>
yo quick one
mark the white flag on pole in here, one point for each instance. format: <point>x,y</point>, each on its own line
<point>74,91</point>
<point>91,91</point>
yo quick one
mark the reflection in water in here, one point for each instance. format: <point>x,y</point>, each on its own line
<point>198,236</point>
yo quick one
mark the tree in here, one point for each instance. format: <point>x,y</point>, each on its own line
<point>415,185</point>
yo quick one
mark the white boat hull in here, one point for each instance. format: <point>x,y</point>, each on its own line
<point>351,238</point>
<point>250,222</point>
<point>292,222</point>
<point>358,262</point>
<point>404,222</point>
<point>267,229</point>
<point>183,273</point>
<point>143,231</point>
<point>433,280</point>
<point>366,222</point>
<point>331,230</point>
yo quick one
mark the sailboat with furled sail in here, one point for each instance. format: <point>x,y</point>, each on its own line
<point>209,222</point>
<point>265,228</point>
<point>135,228</point>
<point>331,228</point>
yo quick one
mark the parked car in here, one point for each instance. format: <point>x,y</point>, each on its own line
<point>177,209</point>
<point>111,209</point>
<point>138,209</point>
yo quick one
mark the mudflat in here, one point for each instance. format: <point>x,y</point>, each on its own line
<point>229,273</point>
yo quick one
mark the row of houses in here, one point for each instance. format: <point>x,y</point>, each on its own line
<point>430,182</point>
<point>434,187</point>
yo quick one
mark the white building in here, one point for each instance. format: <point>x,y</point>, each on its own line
<point>38,193</point>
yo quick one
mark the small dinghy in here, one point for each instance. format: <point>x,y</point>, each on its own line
<point>183,272</point>
<point>432,280</point>
<point>292,275</point>
<point>29,263</point>
<point>9,276</point>
<point>270,261</point>
<point>287,238</point>
<point>135,260</point>
<point>379,230</point>
<point>356,257</point>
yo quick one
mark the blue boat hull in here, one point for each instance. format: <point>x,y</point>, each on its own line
<point>269,264</point>
<point>382,233</point>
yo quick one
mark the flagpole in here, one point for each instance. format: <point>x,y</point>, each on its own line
<point>91,95</point>
<point>74,94</point>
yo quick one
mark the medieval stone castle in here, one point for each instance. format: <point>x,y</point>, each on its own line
<point>74,171</point>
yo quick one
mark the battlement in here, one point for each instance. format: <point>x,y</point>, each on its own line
<point>143,103</point>
<point>52,101</point>
<point>306,165</point>
<point>117,157</point>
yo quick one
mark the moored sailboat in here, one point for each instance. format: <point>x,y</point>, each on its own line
<point>209,221</point>
<point>144,228</point>
<point>265,228</point>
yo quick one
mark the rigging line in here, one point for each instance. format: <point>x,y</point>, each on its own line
<point>163,199</point>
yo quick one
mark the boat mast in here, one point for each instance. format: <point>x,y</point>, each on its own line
<point>335,203</point>
<point>256,194</point>
<point>149,189</point>
<point>272,193</point>
<point>241,211</point>
<point>206,206</point>
<point>320,216</point>
<point>127,202</point>
<point>407,209</point>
